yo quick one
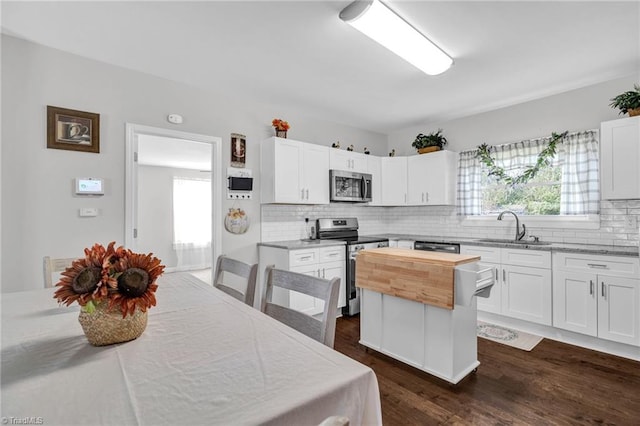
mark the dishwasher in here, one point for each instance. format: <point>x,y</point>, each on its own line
<point>443,247</point>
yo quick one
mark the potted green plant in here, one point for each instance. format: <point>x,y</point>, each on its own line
<point>628,102</point>
<point>434,141</point>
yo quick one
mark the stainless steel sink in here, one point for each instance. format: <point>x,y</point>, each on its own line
<point>518,242</point>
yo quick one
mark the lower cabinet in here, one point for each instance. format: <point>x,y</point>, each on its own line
<point>324,262</point>
<point>598,296</point>
<point>523,282</point>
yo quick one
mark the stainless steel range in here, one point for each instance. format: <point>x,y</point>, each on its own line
<point>346,229</point>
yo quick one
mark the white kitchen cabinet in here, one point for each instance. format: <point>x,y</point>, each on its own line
<point>597,295</point>
<point>294,172</point>
<point>374,168</point>
<point>431,178</point>
<point>523,287</point>
<point>408,244</point>
<point>394,181</point>
<point>619,159</point>
<point>324,262</point>
<point>348,160</point>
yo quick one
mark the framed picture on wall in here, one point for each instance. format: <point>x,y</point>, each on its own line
<point>238,150</point>
<point>73,130</point>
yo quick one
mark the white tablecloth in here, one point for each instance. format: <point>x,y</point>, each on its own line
<point>205,358</point>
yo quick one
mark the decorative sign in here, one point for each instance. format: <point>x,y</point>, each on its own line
<point>238,150</point>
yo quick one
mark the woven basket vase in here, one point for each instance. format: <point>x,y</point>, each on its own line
<point>634,112</point>
<point>106,328</point>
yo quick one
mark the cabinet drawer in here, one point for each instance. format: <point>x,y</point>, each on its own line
<point>487,254</point>
<point>329,254</point>
<point>621,266</point>
<point>303,257</point>
<point>524,257</point>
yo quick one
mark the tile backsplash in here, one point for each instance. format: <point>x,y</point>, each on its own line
<point>287,222</point>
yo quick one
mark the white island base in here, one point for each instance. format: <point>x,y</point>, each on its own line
<point>440,341</point>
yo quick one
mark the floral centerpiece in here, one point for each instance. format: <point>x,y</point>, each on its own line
<point>115,287</point>
<point>281,127</point>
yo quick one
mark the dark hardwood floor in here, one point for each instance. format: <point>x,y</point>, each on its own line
<point>555,383</point>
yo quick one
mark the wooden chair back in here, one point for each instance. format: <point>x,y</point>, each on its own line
<point>51,266</point>
<point>248,272</point>
<point>321,329</point>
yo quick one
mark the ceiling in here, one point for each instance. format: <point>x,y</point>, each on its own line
<point>302,55</point>
<point>176,153</point>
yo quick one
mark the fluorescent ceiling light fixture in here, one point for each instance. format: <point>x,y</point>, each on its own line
<point>377,21</point>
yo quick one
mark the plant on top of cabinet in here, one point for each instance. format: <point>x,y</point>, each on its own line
<point>281,127</point>
<point>434,141</point>
<point>628,102</point>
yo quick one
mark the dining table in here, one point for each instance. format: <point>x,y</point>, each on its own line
<point>204,358</point>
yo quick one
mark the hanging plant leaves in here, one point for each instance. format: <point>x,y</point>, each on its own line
<point>544,159</point>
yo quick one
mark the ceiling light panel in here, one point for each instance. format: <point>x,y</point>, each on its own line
<point>377,21</point>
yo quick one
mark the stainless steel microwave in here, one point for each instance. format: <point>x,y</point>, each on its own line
<point>350,186</point>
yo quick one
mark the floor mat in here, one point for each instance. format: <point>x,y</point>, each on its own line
<point>508,336</point>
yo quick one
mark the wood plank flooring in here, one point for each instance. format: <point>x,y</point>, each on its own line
<point>554,384</point>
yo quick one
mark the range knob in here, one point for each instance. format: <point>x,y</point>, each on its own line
<point>358,247</point>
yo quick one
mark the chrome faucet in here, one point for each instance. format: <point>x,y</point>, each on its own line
<point>519,235</point>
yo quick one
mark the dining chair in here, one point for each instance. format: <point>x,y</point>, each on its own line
<point>52,266</point>
<point>321,329</point>
<point>244,272</point>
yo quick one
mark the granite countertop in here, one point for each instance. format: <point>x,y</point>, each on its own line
<point>554,247</point>
<point>302,244</point>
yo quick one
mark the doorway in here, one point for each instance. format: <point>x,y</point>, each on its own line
<point>166,171</point>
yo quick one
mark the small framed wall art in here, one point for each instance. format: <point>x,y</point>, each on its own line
<point>238,150</point>
<point>73,130</point>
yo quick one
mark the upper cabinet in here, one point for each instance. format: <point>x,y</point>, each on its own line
<point>432,179</point>
<point>294,172</point>
<point>394,181</point>
<point>340,159</point>
<point>619,159</point>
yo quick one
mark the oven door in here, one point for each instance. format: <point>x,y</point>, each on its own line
<point>350,186</point>
<point>353,293</point>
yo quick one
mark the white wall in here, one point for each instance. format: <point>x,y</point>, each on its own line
<point>39,211</point>
<point>576,110</point>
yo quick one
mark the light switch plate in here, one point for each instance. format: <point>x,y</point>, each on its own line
<point>88,212</point>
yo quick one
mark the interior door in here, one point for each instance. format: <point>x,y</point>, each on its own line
<point>146,148</point>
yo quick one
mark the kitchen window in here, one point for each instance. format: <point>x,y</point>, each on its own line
<point>567,187</point>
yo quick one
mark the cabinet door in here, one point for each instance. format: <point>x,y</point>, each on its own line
<point>493,303</point>
<point>374,169</point>
<point>526,293</point>
<point>417,176</point>
<point>440,185</point>
<point>394,181</point>
<point>315,171</point>
<point>302,302</point>
<point>619,158</point>
<point>618,309</point>
<point>348,160</point>
<point>575,302</point>
<point>336,269</point>
<point>287,172</point>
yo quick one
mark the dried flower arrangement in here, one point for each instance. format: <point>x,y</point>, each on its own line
<point>116,276</point>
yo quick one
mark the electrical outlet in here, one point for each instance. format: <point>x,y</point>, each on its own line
<point>630,222</point>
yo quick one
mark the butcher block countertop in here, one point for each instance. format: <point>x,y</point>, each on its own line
<point>422,276</point>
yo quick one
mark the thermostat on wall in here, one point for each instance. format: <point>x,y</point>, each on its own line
<point>89,186</point>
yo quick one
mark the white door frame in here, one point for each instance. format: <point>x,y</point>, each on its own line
<point>131,180</point>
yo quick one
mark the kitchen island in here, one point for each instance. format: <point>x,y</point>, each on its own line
<point>420,308</point>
